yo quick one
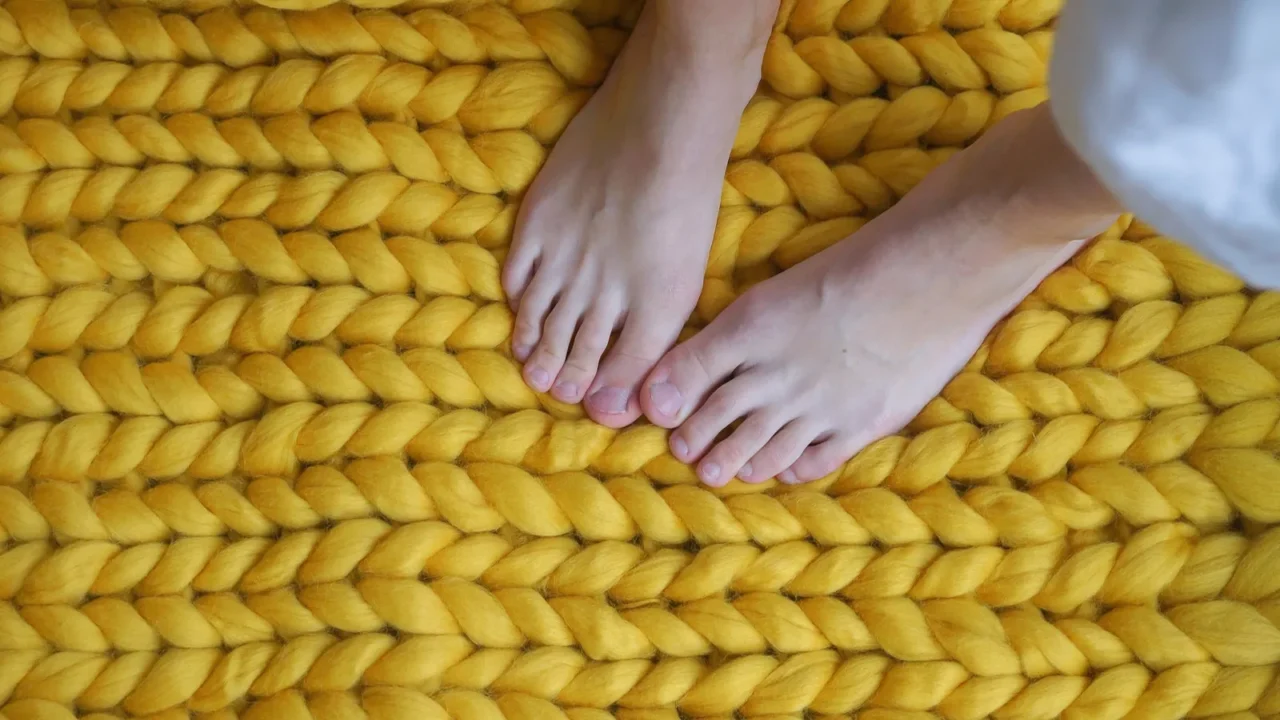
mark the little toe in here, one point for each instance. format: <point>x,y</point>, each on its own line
<point>548,357</point>
<point>729,402</point>
<point>589,344</point>
<point>685,375</point>
<point>729,457</point>
<point>820,460</point>
<point>779,453</point>
<point>531,315</point>
<point>613,400</point>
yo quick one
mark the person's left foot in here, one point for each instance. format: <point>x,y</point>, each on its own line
<point>849,345</point>
<point>615,231</point>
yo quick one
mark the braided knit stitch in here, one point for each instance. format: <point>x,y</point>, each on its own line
<point>264,451</point>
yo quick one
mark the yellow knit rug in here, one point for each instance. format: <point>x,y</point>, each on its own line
<point>265,451</point>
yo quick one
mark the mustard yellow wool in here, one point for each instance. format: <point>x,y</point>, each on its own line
<point>264,451</point>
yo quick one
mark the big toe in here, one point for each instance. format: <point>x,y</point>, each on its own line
<point>686,375</point>
<point>613,399</point>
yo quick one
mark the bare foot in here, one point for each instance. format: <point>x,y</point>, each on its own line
<point>849,345</point>
<point>616,229</point>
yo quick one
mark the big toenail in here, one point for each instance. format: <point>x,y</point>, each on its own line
<point>539,378</point>
<point>666,397</point>
<point>567,389</point>
<point>681,448</point>
<point>711,472</point>
<point>610,400</point>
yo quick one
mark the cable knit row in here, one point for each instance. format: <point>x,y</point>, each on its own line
<point>897,489</point>
<point>751,242</point>
<point>1076,510</point>
<point>192,321</point>
<point>137,252</point>
<point>333,201</point>
<point>907,17</point>
<point>521,94</point>
<point>343,139</point>
<point>1154,396</point>
<point>238,37</point>
<point>972,60</point>
<point>327,200</point>
<point>730,598</point>
<point>759,219</point>
<point>800,18</point>
<point>959,629</point>
<point>1148,271</point>
<point>814,545</point>
<point>823,192</point>
<point>526,93</point>
<point>313,676</point>
<point>1146,413</point>
<point>502,161</point>
<point>969,61</point>
<point>1209,334</point>
<point>834,131</point>
<point>591,12</point>
<point>113,382</point>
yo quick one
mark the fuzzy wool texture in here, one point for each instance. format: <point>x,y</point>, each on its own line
<point>264,451</point>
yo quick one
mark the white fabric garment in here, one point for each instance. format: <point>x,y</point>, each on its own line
<point>1175,104</point>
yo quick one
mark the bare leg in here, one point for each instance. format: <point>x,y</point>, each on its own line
<point>615,231</point>
<point>849,345</point>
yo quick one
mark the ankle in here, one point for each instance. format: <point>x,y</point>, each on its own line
<point>1023,183</point>
<point>721,32</point>
<point>1050,189</point>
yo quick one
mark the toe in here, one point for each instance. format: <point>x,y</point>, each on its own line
<point>727,459</point>
<point>589,344</point>
<point>821,459</point>
<point>548,357</point>
<point>729,402</point>
<point>646,334</point>
<point>686,374</point>
<point>780,453</point>
<point>531,314</point>
<point>518,270</point>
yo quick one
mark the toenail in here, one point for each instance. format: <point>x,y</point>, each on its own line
<point>745,472</point>
<point>610,400</point>
<point>711,472</point>
<point>539,378</point>
<point>680,448</point>
<point>567,389</point>
<point>787,477</point>
<point>520,351</point>
<point>666,398</point>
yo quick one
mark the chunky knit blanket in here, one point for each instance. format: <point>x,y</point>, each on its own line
<point>264,450</point>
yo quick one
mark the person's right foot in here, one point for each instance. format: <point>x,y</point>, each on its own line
<point>849,345</point>
<point>616,228</point>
